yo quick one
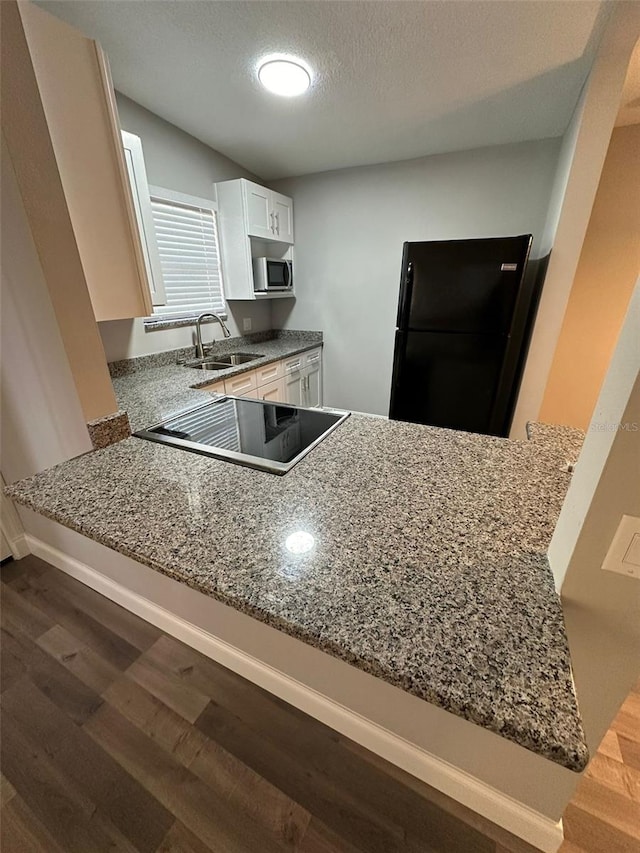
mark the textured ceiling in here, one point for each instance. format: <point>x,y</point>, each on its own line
<point>393,80</point>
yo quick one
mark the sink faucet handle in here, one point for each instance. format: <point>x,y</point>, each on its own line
<point>199,345</point>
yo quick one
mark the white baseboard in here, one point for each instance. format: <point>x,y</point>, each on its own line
<point>12,529</point>
<point>19,546</point>
<point>531,826</point>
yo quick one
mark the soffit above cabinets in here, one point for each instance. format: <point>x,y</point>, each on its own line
<point>392,80</point>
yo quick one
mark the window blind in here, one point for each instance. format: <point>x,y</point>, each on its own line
<point>187,238</point>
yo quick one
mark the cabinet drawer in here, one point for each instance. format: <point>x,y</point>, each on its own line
<point>292,364</point>
<point>240,385</point>
<point>214,388</point>
<point>268,373</point>
<point>312,356</point>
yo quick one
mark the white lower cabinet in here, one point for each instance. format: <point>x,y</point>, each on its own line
<point>273,392</point>
<point>293,388</point>
<point>312,378</point>
<point>313,390</point>
<point>243,385</point>
<point>296,380</point>
<point>293,380</point>
<point>269,373</point>
<point>215,387</point>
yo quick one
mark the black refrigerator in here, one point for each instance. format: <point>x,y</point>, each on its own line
<point>464,319</point>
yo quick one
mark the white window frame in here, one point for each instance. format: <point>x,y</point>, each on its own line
<point>164,194</point>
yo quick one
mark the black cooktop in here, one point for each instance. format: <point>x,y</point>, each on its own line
<point>269,436</point>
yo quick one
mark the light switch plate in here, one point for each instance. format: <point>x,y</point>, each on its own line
<point>623,555</point>
<point>246,324</point>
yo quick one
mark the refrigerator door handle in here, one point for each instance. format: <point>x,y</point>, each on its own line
<point>405,296</point>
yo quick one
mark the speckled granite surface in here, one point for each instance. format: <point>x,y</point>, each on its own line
<point>428,567</point>
<point>244,343</point>
<point>159,388</point>
<point>109,430</point>
<point>565,441</point>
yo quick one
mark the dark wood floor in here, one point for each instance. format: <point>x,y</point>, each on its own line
<point>116,737</point>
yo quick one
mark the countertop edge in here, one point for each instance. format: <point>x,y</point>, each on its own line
<point>237,369</point>
<point>575,760</point>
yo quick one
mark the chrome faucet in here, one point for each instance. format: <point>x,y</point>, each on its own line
<point>199,346</point>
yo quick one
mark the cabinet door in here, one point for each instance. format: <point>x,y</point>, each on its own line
<point>293,388</point>
<point>283,217</point>
<point>273,392</point>
<point>260,216</point>
<point>142,204</point>
<point>312,363</point>
<point>79,103</point>
<point>313,386</point>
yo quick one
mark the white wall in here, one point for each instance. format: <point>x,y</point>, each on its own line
<point>173,158</point>
<point>177,161</point>
<point>582,157</point>
<point>42,421</point>
<point>599,443</point>
<point>602,288</point>
<point>350,227</point>
<point>602,609</point>
<point>561,177</point>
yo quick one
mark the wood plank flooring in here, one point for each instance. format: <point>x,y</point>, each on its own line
<point>116,737</point>
<point>604,813</point>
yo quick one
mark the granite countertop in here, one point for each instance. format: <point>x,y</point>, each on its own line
<point>563,440</point>
<point>152,388</point>
<point>428,567</point>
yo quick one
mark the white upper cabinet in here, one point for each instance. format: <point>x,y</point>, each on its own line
<point>77,95</point>
<point>253,222</point>
<point>266,214</point>
<point>282,207</point>
<point>259,210</point>
<point>144,216</point>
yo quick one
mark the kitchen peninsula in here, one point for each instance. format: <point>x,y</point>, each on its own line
<point>426,565</point>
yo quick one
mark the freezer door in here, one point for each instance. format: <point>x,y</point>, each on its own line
<point>462,285</point>
<point>447,380</point>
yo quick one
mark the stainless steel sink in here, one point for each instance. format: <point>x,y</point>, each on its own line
<point>233,358</point>
<point>208,365</point>
<point>222,362</point>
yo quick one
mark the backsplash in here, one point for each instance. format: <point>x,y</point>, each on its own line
<point>124,339</point>
<point>125,367</point>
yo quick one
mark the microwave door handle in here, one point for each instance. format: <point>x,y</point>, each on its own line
<point>287,274</point>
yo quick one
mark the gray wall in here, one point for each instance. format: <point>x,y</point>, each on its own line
<point>351,224</point>
<point>173,158</point>
<point>177,161</point>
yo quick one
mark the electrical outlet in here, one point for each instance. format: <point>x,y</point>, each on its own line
<point>623,555</point>
<point>246,324</point>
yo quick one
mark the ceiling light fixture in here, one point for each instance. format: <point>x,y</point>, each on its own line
<point>284,76</point>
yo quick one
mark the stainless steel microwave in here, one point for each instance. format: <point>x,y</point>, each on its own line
<point>272,274</point>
